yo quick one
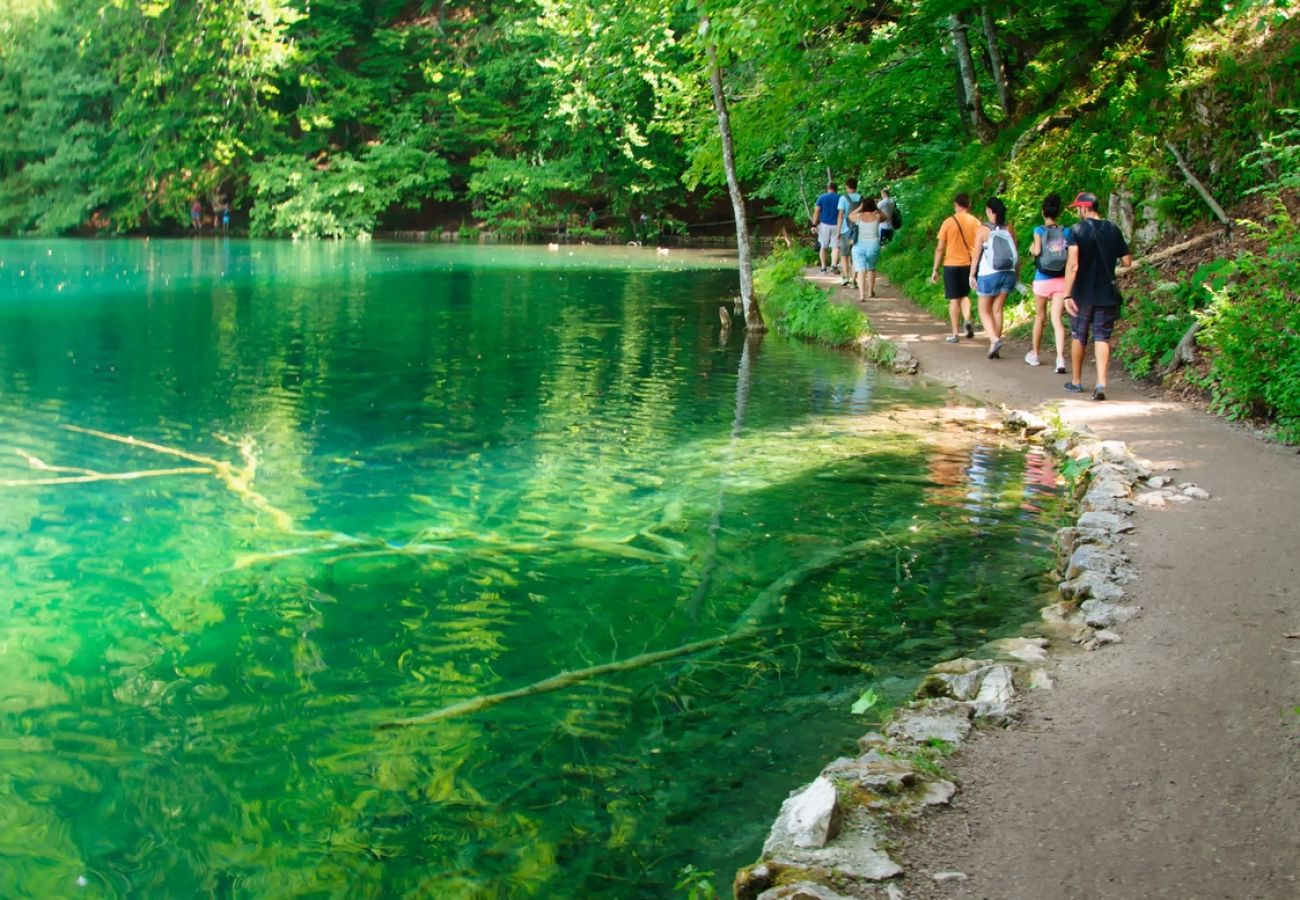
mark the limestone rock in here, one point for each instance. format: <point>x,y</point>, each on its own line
<point>1193,491</point>
<point>1152,500</point>
<point>1092,585</point>
<point>1109,522</point>
<point>1032,424</point>
<point>1021,649</point>
<point>1117,505</point>
<point>959,666</point>
<point>996,689</point>
<point>942,877</point>
<point>1041,680</point>
<point>938,793</point>
<point>871,741</point>
<point>802,890</point>
<point>1158,481</point>
<point>809,818</point>
<point>1106,636</point>
<point>1100,614</point>
<point>1089,558</point>
<point>945,720</point>
<point>854,853</point>
<point>1057,613</point>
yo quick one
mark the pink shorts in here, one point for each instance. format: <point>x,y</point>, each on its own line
<point>1046,287</point>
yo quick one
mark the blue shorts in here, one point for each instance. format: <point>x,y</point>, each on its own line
<point>997,283</point>
<point>865,256</point>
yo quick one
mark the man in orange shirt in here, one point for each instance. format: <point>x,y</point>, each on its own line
<point>956,241</point>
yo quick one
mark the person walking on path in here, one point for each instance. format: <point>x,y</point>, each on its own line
<point>824,218</point>
<point>1091,297</point>
<point>849,201</point>
<point>866,251</point>
<point>886,205</point>
<point>956,241</point>
<point>1050,250</point>
<point>993,270</point>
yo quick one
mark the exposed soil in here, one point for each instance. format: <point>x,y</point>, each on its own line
<point>1168,765</point>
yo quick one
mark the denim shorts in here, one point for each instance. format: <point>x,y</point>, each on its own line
<point>997,283</point>
<point>865,256</point>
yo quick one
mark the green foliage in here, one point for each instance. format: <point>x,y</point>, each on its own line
<point>1252,327</point>
<point>796,307</point>
<point>1158,319</point>
<point>696,884</point>
<point>866,701</point>
<point>342,196</point>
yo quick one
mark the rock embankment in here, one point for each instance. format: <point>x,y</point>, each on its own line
<point>830,839</point>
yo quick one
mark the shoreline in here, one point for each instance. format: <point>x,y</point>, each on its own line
<point>1086,795</point>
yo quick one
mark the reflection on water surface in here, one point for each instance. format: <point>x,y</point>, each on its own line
<point>413,476</point>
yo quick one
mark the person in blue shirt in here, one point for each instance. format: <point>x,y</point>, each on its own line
<point>825,218</point>
<point>1051,252</point>
<point>849,201</point>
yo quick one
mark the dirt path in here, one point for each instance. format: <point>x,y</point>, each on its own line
<point>1168,765</point>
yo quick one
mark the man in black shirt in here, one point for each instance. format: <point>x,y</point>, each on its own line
<point>1091,298</point>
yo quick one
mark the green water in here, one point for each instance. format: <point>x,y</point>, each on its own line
<point>475,468</point>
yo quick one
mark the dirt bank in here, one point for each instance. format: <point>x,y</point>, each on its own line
<point>1168,765</point>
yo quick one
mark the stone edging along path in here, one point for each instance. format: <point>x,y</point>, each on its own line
<point>831,834</point>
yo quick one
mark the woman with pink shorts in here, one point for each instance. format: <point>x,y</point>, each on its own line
<point>1051,244</point>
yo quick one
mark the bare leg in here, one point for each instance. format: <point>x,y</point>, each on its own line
<point>965,308</point>
<point>862,286</point>
<point>1076,360</point>
<point>835,254</point>
<point>871,282</point>
<point>821,255</point>
<point>954,307</point>
<point>1058,324</point>
<point>1101,354</point>
<point>986,317</point>
<point>999,302</point>
<point>1040,317</point>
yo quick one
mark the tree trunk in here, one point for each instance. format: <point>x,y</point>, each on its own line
<point>753,318</point>
<point>996,64</point>
<point>974,106</point>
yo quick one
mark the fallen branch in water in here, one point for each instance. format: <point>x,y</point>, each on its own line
<point>101,476</point>
<point>568,679</point>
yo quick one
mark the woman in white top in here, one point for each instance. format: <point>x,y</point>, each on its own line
<point>866,250</point>
<point>993,270</point>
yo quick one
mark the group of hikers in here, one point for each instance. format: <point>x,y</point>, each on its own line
<point>220,215</point>
<point>1074,269</point>
<point>851,228</point>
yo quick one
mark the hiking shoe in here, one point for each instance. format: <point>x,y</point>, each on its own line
<point>970,330</point>
<point>1074,388</point>
<point>1031,359</point>
<point>951,339</point>
<point>845,282</point>
<point>996,350</point>
<point>1099,392</point>
<point>1060,365</point>
<point>871,293</point>
<point>823,270</point>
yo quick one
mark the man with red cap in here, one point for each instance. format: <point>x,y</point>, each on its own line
<point>1091,297</point>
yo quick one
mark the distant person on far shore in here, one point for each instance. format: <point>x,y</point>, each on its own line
<point>993,270</point>
<point>849,201</point>
<point>824,216</point>
<point>225,217</point>
<point>1050,250</point>
<point>866,250</point>
<point>1091,297</point>
<point>196,215</point>
<point>956,243</point>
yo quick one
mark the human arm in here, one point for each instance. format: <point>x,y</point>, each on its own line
<point>980,234</point>
<point>1071,270</point>
<point>938,257</point>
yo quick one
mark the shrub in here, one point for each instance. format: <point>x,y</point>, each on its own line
<point>796,307</point>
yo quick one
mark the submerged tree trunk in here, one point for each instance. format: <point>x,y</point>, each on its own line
<point>996,64</point>
<point>753,318</point>
<point>974,106</point>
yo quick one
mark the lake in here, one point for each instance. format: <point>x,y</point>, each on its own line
<point>260,501</point>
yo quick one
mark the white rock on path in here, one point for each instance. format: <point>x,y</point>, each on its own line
<point>945,720</point>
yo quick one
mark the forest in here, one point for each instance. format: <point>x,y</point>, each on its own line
<point>326,118</point>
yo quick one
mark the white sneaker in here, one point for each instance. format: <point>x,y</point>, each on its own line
<point>1060,365</point>
<point>1031,358</point>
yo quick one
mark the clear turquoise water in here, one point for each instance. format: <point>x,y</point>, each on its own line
<point>474,468</point>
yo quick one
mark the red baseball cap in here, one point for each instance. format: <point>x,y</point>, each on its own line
<point>1085,200</point>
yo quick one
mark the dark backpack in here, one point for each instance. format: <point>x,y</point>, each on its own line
<point>1055,251</point>
<point>895,217</point>
<point>1002,250</point>
<point>853,226</point>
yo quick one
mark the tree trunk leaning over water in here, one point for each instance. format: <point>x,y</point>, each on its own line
<point>974,106</point>
<point>753,317</point>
